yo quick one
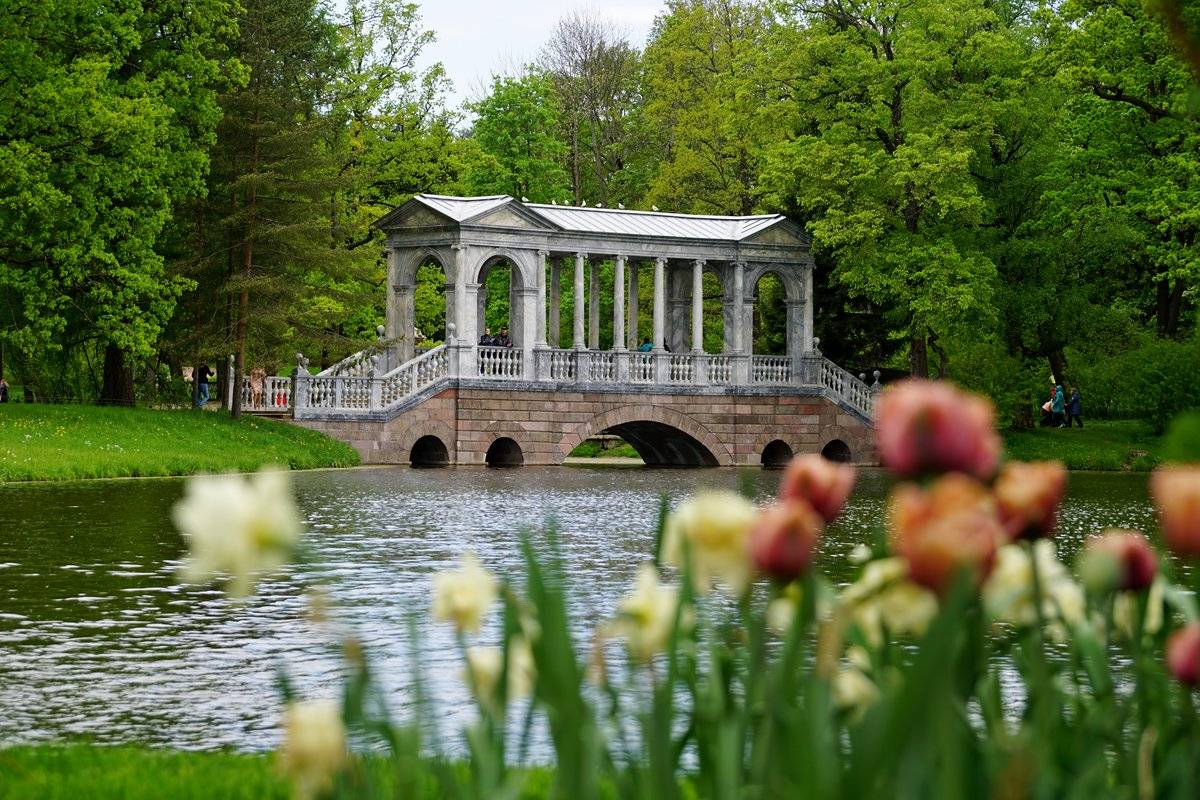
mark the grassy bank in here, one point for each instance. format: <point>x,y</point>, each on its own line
<point>70,772</point>
<point>48,442</point>
<point>1111,445</point>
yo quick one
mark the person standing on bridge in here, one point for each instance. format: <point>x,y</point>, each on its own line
<point>646,346</point>
<point>487,340</point>
<point>503,340</point>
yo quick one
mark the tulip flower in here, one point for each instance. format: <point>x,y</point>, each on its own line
<point>925,427</point>
<point>1183,654</point>
<point>711,528</point>
<point>240,527</point>
<point>1028,497</point>
<point>462,596</point>
<point>784,539</point>
<point>1118,559</point>
<point>825,485</point>
<point>314,745</point>
<point>948,528</point>
<point>1176,492</point>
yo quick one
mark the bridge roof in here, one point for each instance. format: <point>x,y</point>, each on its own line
<point>603,221</point>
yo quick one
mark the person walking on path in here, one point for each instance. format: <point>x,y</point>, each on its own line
<point>1074,408</point>
<point>1056,408</point>
<point>202,376</point>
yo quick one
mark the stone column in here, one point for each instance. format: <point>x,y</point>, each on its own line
<point>392,317</point>
<point>594,306</point>
<point>461,301</point>
<point>808,308</point>
<point>539,340</point>
<point>524,326</point>
<point>404,327</point>
<point>619,304</point>
<point>660,302</point>
<point>698,306</point>
<point>577,303</point>
<point>555,300</point>
<point>632,331</point>
<point>739,316</point>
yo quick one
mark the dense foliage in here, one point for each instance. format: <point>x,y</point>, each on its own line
<point>998,191</point>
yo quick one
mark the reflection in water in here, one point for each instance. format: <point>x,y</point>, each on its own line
<point>97,640</point>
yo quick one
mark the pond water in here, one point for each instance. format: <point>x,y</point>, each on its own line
<point>98,641</point>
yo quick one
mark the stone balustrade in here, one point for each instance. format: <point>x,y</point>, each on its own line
<point>349,395</point>
<point>273,396</point>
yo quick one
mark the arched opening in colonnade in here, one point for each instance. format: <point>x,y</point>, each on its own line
<point>498,303</point>
<point>504,452</point>
<point>429,451</point>
<point>429,304</point>
<point>776,455</point>
<point>770,325</point>
<point>837,450</point>
<point>662,445</point>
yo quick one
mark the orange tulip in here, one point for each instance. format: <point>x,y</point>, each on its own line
<point>1183,654</point>
<point>950,527</point>
<point>784,539</point>
<point>824,484</point>
<point>927,427</point>
<point>1176,492</point>
<point>1028,496</point>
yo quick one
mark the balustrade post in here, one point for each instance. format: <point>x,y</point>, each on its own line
<point>662,368</point>
<point>700,363</point>
<point>621,366</point>
<point>338,384</point>
<point>808,371</point>
<point>583,366</point>
<point>376,399</point>
<point>541,366</point>
<point>740,369</point>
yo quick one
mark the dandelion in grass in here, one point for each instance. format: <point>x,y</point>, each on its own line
<point>711,529</point>
<point>314,746</point>
<point>242,527</point>
<point>463,596</point>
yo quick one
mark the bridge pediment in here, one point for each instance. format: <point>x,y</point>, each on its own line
<point>512,216</point>
<point>781,232</point>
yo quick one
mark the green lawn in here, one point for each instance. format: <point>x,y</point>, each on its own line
<point>50,442</point>
<point>1101,445</point>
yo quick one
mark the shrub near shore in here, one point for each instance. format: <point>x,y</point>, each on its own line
<point>49,442</point>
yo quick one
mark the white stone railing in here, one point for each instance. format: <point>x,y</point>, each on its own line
<point>274,395</point>
<point>771,369</point>
<point>847,387</point>
<point>499,362</point>
<point>350,394</point>
<point>355,365</point>
<point>413,376</point>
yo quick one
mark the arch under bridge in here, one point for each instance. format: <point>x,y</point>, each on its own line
<point>532,400</point>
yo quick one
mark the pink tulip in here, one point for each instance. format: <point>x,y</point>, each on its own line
<point>784,539</point>
<point>823,483</point>
<point>1176,492</point>
<point>948,528</point>
<point>1183,654</point>
<point>1134,559</point>
<point>1028,497</point>
<point>927,427</point>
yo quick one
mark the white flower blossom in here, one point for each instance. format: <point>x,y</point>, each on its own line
<point>314,746</point>
<point>463,596</point>
<point>647,614</point>
<point>241,526</point>
<point>484,665</point>
<point>1008,591</point>
<point>712,527</point>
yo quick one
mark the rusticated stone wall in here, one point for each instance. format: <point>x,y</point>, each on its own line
<point>677,429</point>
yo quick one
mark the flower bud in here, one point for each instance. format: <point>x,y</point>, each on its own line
<point>952,526</point>
<point>824,484</point>
<point>1118,559</point>
<point>927,427</point>
<point>784,538</point>
<point>1183,654</point>
<point>1176,492</point>
<point>1028,497</point>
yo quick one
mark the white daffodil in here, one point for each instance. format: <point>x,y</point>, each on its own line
<point>1008,591</point>
<point>853,691</point>
<point>1125,609</point>
<point>711,528</point>
<point>647,614</point>
<point>314,746</point>
<point>484,665</point>
<point>462,596</point>
<point>240,526</point>
<point>884,597</point>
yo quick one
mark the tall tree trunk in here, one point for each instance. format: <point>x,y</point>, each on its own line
<point>239,358</point>
<point>943,359</point>
<point>918,357</point>
<point>1058,365</point>
<point>1173,305</point>
<point>117,387</point>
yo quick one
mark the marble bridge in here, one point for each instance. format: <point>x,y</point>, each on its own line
<point>463,402</point>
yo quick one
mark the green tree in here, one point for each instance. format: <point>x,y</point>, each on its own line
<point>515,129</point>
<point>106,112</point>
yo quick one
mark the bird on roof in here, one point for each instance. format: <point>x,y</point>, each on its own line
<point>553,202</point>
<point>621,206</point>
<point>524,199</point>
<point>583,203</point>
<point>599,205</point>
<point>654,208</point>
